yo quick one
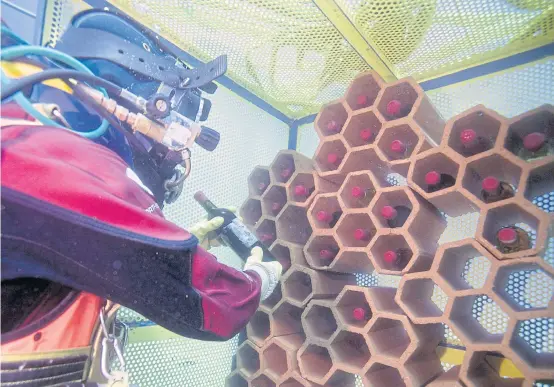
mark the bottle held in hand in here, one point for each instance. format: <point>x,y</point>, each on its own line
<point>233,232</point>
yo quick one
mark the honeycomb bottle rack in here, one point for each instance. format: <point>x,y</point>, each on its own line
<point>387,177</point>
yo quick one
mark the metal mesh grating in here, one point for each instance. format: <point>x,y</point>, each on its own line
<point>489,315</point>
<point>545,202</point>
<point>475,272</point>
<point>538,333</point>
<point>439,298</point>
<point>459,227</point>
<point>530,289</point>
<point>426,38</point>
<point>450,337</point>
<point>396,179</point>
<point>285,51</point>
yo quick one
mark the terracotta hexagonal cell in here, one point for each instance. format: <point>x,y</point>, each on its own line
<point>266,232</point>
<point>350,348</point>
<point>325,211</point>
<point>321,251</point>
<point>530,136</point>
<point>318,320</point>
<point>397,100</point>
<point>539,187</point>
<point>526,284</point>
<point>422,299</point>
<point>358,189</point>
<point>340,378</point>
<point>477,319</point>
<point>362,129</point>
<point>236,379</point>
<point>258,329</point>
<point>532,342</point>
<point>492,178</point>
<point>473,131</point>
<point>398,142</point>
<point>510,230</point>
<point>331,119</point>
<point>353,261</point>
<point>391,253</point>
<point>248,359</point>
<point>392,208</point>
<point>281,252</point>
<point>424,365</point>
<point>301,188</point>
<point>355,229</point>
<point>315,362</point>
<point>434,173</point>
<point>292,224</point>
<point>296,380</point>
<point>297,287</point>
<point>389,336</point>
<point>251,211</point>
<point>263,381</point>
<point>258,181</point>
<point>382,375</point>
<point>283,167</point>
<point>363,90</point>
<point>274,200</point>
<point>464,264</point>
<point>352,308</point>
<point>329,155</point>
<point>286,319</point>
<point>481,368</point>
<point>275,360</point>
<point>368,157</point>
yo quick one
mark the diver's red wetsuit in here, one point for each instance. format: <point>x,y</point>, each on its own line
<point>74,213</point>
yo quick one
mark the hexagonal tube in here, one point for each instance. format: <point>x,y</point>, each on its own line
<point>340,378</point>
<point>349,349</point>
<point>416,296</point>
<point>435,162</point>
<point>532,341</point>
<point>360,159</point>
<point>251,211</point>
<point>274,200</point>
<point>325,211</point>
<point>352,261</point>
<point>236,379</point>
<point>263,381</point>
<point>352,308</point>
<point>382,375</point>
<point>292,224</point>
<point>266,232</point>
<point>363,90</point>
<point>358,189</point>
<point>362,129</point>
<point>321,251</point>
<point>329,155</point>
<point>318,321</point>
<point>301,189</point>
<point>539,185</point>
<point>294,379</point>
<point>388,336</point>
<point>391,253</point>
<point>355,229</point>
<point>286,319</point>
<point>473,131</point>
<point>258,329</point>
<point>331,119</point>
<point>248,359</point>
<point>523,131</point>
<point>397,100</point>
<point>477,371</point>
<point>315,362</point>
<point>279,355</point>
<point>258,181</point>
<point>399,141</point>
<point>288,254</point>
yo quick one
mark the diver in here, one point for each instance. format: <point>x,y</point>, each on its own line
<point>82,233</point>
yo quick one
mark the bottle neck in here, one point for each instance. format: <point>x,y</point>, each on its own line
<point>208,206</point>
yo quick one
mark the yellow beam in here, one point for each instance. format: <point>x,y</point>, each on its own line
<point>343,24</point>
<point>504,366</point>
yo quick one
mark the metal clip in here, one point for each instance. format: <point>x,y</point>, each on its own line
<point>115,378</point>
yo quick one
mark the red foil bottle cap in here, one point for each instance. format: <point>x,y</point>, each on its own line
<point>357,192</point>
<point>276,207</point>
<point>390,256</point>
<point>468,137</point>
<point>285,173</point>
<point>393,107</point>
<point>397,146</point>
<point>300,190</point>
<point>359,314</point>
<point>388,212</point>
<point>262,186</point>
<point>332,126</point>
<point>326,254</point>
<point>432,178</point>
<point>265,237</point>
<point>366,134</point>
<point>360,234</point>
<point>333,158</point>
<point>490,184</point>
<point>534,141</point>
<point>323,216</point>
<point>361,100</point>
<point>507,235</point>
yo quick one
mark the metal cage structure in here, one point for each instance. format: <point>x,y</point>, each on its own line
<point>288,58</point>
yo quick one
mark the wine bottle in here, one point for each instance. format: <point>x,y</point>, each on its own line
<point>436,181</point>
<point>362,234</point>
<point>366,135</point>
<point>326,217</point>
<point>333,159</point>
<point>360,314</point>
<point>534,146</point>
<point>362,101</point>
<point>399,149</point>
<point>276,207</point>
<point>473,144</point>
<point>262,186</point>
<point>494,190</point>
<point>363,196</point>
<point>286,173</point>
<point>328,254</point>
<point>301,192</point>
<point>512,239</point>
<point>396,109</point>
<point>395,216</point>
<point>233,232</point>
<point>333,127</point>
<point>266,237</point>
<point>397,259</point>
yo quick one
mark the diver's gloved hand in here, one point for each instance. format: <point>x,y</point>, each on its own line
<point>205,229</point>
<point>269,272</point>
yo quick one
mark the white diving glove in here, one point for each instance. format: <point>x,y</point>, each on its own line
<point>269,272</point>
<point>204,230</point>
